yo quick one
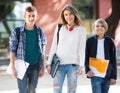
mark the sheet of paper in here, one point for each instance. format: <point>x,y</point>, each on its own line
<point>98,66</point>
<point>21,68</point>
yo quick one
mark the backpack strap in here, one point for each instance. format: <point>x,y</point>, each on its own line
<point>59,26</point>
<point>17,29</point>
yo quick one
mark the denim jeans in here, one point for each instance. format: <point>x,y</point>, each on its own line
<point>71,72</point>
<point>100,85</point>
<point>29,83</point>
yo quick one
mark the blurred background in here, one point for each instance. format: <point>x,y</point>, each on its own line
<point>12,12</point>
<point>11,16</point>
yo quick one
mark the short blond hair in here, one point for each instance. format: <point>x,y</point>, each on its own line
<point>103,22</point>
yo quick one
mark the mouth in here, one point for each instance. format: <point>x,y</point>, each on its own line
<point>100,30</point>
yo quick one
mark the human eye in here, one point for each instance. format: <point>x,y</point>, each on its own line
<point>71,13</point>
<point>97,26</point>
<point>33,15</point>
<point>65,14</point>
<point>29,16</point>
<point>102,26</point>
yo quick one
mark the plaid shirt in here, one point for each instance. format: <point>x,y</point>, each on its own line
<point>20,45</point>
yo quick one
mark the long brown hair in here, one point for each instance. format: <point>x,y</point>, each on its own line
<point>74,11</point>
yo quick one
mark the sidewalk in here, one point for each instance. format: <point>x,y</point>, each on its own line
<point>8,84</point>
<point>85,89</point>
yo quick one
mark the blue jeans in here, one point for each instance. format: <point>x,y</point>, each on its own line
<point>71,72</point>
<point>29,83</point>
<point>100,85</point>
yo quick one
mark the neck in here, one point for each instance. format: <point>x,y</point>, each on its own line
<point>29,26</point>
<point>70,25</point>
<point>100,37</point>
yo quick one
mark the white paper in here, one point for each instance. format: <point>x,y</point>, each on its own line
<point>97,73</point>
<point>99,66</point>
<point>20,67</point>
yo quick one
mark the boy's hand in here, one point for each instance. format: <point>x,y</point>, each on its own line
<point>112,81</point>
<point>90,74</point>
<point>14,73</point>
<point>41,72</point>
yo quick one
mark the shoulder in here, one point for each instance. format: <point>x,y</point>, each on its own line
<point>19,28</point>
<point>39,29</point>
<point>81,29</point>
<point>109,39</point>
<point>91,38</point>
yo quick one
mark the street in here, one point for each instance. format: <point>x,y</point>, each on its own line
<point>8,84</point>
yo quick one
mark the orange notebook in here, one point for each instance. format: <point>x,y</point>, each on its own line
<point>98,66</point>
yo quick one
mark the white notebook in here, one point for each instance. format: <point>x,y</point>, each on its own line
<point>21,68</point>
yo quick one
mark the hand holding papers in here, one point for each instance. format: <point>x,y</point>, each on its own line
<point>20,67</point>
<point>98,66</point>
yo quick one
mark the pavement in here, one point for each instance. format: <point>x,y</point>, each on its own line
<point>8,84</point>
<point>85,89</point>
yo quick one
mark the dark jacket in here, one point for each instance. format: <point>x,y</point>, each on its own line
<point>109,51</point>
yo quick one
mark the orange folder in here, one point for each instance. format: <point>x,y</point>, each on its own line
<point>99,64</point>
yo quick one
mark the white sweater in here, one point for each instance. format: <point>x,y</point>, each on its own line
<point>71,46</point>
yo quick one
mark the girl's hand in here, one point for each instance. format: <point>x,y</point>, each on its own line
<point>48,67</point>
<point>81,70</point>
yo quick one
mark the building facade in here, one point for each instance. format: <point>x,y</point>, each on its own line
<point>49,11</point>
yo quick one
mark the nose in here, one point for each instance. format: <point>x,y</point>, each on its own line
<point>31,18</point>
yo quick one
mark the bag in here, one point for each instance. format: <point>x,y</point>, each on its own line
<point>55,60</point>
<point>54,65</point>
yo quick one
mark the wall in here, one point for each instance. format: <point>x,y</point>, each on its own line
<point>48,11</point>
<point>104,11</point>
<point>104,8</point>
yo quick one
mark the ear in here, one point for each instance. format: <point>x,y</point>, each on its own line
<point>37,17</point>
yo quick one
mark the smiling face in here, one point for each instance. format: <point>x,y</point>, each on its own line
<point>69,17</point>
<point>30,17</point>
<point>99,29</point>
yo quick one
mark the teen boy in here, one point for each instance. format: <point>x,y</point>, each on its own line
<point>100,46</point>
<point>30,48</point>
